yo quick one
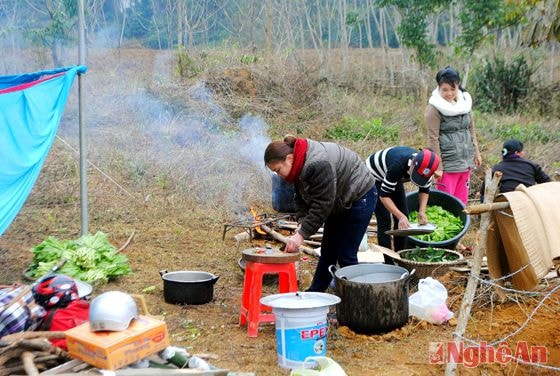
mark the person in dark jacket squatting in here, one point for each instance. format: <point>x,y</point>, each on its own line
<point>516,170</point>
<point>392,167</point>
<point>334,188</point>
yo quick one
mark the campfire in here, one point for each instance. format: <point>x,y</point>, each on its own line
<point>253,223</point>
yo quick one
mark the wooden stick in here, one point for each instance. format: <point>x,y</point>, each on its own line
<point>486,207</point>
<point>15,349</point>
<point>466,303</point>
<point>28,365</point>
<point>283,239</point>
<point>126,243</point>
<point>242,236</point>
<point>37,360</point>
<point>311,242</point>
<point>11,338</point>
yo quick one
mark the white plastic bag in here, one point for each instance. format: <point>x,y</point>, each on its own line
<point>429,302</point>
<point>325,367</point>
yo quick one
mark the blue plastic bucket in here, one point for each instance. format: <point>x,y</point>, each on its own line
<point>301,325</point>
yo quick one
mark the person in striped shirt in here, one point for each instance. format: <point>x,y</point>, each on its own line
<point>391,167</point>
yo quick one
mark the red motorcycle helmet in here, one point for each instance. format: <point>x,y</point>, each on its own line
<point>55,290</point>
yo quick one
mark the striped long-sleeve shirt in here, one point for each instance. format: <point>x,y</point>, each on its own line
<point>391,166</point>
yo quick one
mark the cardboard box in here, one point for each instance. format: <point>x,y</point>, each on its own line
<point>113,350</point>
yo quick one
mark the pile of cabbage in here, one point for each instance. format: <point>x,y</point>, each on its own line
<point>91,258</point>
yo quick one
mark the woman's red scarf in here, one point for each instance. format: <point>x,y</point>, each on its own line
<point>300,149</point>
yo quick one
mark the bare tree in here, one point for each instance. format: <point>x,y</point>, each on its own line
<point>344,41</point>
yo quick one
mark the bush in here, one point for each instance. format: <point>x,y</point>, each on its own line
<point>355,129</point>
<point>499,86</point>
<point>186,66</point>
<point>527,132</point>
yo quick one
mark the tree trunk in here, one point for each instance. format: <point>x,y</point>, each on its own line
<point>268,28</point>
<point>342,11</point>
<point>180,24</point>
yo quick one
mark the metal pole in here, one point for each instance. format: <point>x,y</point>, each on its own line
<point>83,150</point>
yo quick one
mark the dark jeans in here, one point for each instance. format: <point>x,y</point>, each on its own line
<point>386,221</point>
<point>342,235</point>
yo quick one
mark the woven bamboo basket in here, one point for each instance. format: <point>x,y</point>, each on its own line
<point>428,269</point>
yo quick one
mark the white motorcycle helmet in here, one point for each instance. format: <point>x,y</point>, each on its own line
<point>112,311</point>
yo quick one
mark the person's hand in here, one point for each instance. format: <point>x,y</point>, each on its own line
<point>478,161</point>
<point>422,218</point>
<point>293,243</point>
<point>438,174</point>
<point>403,222</point>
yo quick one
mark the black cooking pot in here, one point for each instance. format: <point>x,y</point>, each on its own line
<point>374,297</point>
<point>188,287</point>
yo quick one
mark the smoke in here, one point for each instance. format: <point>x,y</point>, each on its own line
<point>192,145</point>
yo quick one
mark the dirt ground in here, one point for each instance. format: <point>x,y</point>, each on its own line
<point>172,234</point>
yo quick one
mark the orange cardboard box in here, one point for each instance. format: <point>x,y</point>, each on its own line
<point>113,350</point>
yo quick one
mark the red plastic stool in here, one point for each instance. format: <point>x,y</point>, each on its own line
<point>252,311</point>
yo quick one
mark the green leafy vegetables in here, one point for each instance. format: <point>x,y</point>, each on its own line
<point>429,255</point>
<point>91,258</point>
<point>447,225</point>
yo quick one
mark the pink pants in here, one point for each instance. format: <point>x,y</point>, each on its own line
<point>456,184</point>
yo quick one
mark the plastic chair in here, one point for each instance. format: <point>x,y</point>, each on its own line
<point>252,311</point>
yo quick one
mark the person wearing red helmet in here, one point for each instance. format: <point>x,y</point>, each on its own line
<point>391,167</point>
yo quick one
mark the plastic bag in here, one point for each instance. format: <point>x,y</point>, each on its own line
<point>325,367</point>
<point>429,302</point>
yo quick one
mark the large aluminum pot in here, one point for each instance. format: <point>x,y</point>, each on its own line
<point>188,287</point>
<point>374,297</point>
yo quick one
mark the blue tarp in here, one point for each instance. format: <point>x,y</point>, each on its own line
<point>31,106</point>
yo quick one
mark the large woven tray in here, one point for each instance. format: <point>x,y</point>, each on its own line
<point>427,269</point>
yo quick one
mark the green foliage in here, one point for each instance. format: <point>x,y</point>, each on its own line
<point>414,24</point>
<point>91,258</point>
<point>531,132</point>
<point>478,18</point>
<point>499,86</point>
<point>63,16</point>
<point>447,224</point>
<point>249,59</point>
<point>356,129</point>
<point>186,66</point>
<point>429,254</point>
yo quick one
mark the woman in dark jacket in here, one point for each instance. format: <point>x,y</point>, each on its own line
<point>334,188</point>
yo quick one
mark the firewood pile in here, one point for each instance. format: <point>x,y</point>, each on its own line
<point>30,352</point>
<point>280,230</point>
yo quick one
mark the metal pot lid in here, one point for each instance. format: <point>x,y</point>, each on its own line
<point>300,300</point>
<point>414,229</point>
<point>84,289</point>
<point>188,276</point>
<point>378,277</point>
<point>389,273</point>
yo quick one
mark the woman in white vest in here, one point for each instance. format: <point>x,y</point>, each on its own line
<point>451,134</point>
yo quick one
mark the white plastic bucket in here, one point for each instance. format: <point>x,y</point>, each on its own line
<point>301,325</point>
